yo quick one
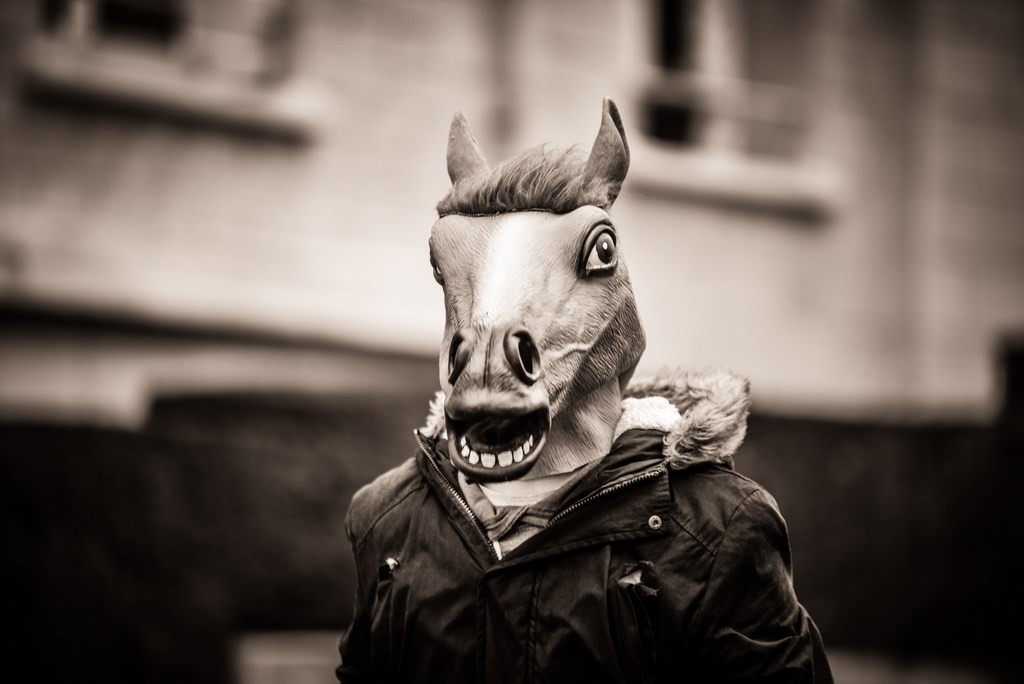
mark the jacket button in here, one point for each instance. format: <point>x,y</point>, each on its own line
<point>654,522</point>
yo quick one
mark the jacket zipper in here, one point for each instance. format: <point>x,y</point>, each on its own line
<point>618,487</point>
<point>459,499</point>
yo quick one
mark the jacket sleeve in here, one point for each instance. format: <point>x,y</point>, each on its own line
<point>354,648</point>
<point>750,626</point>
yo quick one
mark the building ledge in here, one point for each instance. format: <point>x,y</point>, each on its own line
<point>802,190</point>
<point>65,367</point>
<point>126,76</point>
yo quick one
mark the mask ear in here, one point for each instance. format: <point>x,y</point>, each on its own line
<point>465,158</point>
<point>609,158</point>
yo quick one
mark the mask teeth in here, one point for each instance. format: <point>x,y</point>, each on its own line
<point>500,460</point>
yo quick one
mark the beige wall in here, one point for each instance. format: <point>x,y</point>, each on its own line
<point>968,225</point>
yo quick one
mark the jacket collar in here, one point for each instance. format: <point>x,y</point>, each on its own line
<point>635,462</point>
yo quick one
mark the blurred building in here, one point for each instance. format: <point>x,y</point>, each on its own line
<point>823,195</point>
<point>233,197</point>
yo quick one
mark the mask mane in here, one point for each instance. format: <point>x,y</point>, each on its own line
<point>542,178</point>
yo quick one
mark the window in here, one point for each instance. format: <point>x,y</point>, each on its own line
<point>159,21</point>
<point>723,100</point>
<point>730,75</point>
<point>228,62</point>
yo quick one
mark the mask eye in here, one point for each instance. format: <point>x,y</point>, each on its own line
<point>437,271</point>
<point>599,255</point>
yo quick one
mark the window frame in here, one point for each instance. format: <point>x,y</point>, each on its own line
<point>718,170</point>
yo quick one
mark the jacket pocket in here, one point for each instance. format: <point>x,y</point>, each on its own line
<point>632,606</point>
<point>381,617</point>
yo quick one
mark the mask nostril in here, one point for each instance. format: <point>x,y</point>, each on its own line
<point>527,353</point>
<point>458,356</point>
<point>523,355</point>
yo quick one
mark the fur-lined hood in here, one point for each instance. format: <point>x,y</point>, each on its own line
<point>703,415</point>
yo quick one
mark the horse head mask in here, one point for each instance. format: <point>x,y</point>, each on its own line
<point>541,327</point>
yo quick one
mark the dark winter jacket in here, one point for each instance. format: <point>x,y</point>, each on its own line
<point>664,565</point>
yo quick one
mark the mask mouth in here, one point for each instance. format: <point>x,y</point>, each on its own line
<point>497,447</point>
